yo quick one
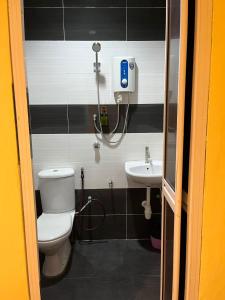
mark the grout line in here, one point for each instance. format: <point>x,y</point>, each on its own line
<point>64,32</point>
<point>107,215</point>
<point>119,240</point>
<point>126,214</point>
<point>121,215</point>
<point>94,275</point>
<point>143,214</point>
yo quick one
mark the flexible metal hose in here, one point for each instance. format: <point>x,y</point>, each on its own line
<point>78,225</point>
<point>100,131</point>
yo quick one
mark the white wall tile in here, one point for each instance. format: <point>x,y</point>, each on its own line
<point>50,148</point>
<point>76,150</point>
<point>62,72</point>
<point>96,176</point>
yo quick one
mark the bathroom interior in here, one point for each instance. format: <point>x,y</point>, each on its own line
<point>96,87</point>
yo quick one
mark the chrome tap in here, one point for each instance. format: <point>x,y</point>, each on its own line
<point>147,155</point>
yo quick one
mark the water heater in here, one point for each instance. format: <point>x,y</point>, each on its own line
<point>123,74</point>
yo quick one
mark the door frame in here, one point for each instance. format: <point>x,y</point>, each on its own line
<point>15,11</point>
<point>198,140</point>
<point>174,198</point>
<point>202,54</point>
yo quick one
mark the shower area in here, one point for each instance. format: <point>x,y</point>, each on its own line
<point>95,81</point>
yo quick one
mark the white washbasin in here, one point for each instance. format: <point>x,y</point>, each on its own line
<point>148,174</point>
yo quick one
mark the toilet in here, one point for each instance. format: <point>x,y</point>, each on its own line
<point>56,222</point>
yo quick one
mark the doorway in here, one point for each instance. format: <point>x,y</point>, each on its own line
<point>126,196</point>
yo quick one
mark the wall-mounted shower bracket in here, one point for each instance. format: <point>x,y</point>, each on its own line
<point>96,145</point>
<point>95,67</point>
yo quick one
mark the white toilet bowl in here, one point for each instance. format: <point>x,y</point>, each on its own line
<point>55,224</point>
<point>53,241</point>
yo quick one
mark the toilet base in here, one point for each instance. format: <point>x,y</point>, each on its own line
<point>54,265</point>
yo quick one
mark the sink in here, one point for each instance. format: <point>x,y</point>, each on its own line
<point>149,174</point>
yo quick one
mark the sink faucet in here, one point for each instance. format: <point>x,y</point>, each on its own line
<point>147,155</point>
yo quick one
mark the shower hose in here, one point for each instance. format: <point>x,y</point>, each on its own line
<point>100,130</point>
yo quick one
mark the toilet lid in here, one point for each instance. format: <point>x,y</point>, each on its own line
<point>53,226</point>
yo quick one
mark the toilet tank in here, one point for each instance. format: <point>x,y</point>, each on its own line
<point>57,188</point>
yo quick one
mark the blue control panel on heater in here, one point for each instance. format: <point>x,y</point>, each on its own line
<point>124,73</point>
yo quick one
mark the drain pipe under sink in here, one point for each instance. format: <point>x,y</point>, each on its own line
<point>147,204</point>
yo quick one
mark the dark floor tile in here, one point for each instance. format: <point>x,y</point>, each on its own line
<point>114,201</point>
<point>95,23</point>
<point>113,270</point>
<point>116,269</point>
<point>42,3</point>
<point>141,288</point>
<point>123,258</point>
<point>43,23</point>
<point>113,227</point>
<point>131,288</point>
<point>135,196</point>
<point>146,24</point>
<point>95,3</point>
<point>139,259</point>
<point>48,119</point>
<point>138,227</point>
<point>146,3</point>
<point>88,260</point>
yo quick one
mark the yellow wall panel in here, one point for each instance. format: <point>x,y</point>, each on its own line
<point>13,269</point>
<point>212,276</point>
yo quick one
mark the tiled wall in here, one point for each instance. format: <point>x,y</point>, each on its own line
<point>62,96</point>
<point>124,214</point>
<point>60,72</point>
<point>48,119</point>
<point>62,92</point>
<point>76,150</point>
<point>70,20</point>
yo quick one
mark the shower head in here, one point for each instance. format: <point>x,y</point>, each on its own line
<point>96,47</point>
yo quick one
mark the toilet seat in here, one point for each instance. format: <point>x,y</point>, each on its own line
<point>53,226</point>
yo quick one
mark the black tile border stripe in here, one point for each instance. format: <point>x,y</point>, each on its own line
<point>48,119</point>
<point>124,213</point>
<point>103,24</point>
<point>113,23</point>
<point>44,24</point>
<point>78,119</point>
